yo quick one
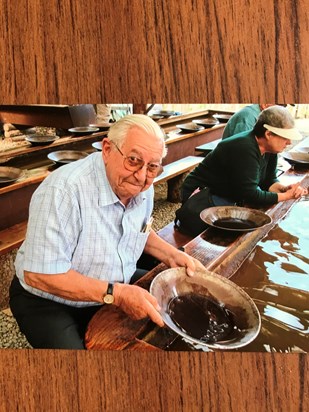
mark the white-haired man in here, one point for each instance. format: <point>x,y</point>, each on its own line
<point>88,226</point>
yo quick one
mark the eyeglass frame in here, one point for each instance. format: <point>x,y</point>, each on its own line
<point>159,165</point>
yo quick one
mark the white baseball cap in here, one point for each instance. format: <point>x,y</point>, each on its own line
<point>291,134</point>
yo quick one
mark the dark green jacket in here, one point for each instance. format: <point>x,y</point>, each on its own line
<point>236,170</point>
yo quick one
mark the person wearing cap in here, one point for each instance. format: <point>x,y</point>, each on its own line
<point>89,222</point>
<point>241,170</point>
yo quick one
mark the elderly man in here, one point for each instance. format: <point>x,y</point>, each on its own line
<point>89,222</point>
<point>241,170</point>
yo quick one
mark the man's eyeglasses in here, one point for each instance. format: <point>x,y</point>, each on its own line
<point>134,164</point>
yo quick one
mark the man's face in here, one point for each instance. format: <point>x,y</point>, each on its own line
<point>126,183</point>
<point>276,144</point>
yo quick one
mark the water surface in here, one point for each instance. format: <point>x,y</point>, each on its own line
<point>276,276</point>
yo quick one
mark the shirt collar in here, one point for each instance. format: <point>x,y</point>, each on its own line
<point>106,194</point>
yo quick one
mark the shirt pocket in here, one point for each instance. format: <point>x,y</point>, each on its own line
<point>131,246</point>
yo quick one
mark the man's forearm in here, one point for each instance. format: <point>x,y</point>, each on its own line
<point>159,248</point>
<point>71,285</point>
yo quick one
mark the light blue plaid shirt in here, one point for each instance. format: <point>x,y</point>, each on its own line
<point>77,222</point>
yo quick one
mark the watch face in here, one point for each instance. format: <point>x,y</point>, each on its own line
<point>108,299</point>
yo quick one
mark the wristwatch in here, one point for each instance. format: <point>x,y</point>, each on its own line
<point>108,297</point>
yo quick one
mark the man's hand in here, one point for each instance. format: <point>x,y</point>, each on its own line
<point>294,191</point>
<point>137,302</point>
<point>182,259</point>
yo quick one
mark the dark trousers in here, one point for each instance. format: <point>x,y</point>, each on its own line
<point>48,324</point>
<point>52,325</point>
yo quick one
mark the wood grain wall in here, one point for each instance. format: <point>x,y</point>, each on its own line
<point>143,51</point>
<point>164,51</point>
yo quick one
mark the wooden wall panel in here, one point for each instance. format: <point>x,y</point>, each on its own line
<point>142,51</point>
<point>53,381</point>
<point>154,51</point>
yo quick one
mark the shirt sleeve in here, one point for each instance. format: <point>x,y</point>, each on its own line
<point>271,172</point>
<point>53,230</point>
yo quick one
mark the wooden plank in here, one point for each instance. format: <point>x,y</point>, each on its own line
<point>220,59</point>
<point>63,143</point>
<point>208,147</point>
<point>151,381</point>
<point>12,237</point>
<point>172,236</point>
<point>178,167</point>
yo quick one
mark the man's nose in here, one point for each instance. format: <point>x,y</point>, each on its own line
<point>141,174</point>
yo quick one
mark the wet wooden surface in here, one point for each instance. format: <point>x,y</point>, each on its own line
<point>154,51</point>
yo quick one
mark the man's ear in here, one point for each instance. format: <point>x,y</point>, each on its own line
<point>267,135</point>
<point>106,147</point>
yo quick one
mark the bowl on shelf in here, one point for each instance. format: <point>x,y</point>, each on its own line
<point>163,113</point>
<point>189,127</point>
<point>156,117</point>
<point>66,156</point>
<point>206,122</point>
<point>83,130</point>
<point>9,175</point>
<point>223,118</point>
<point>41,140</point>
<point>103,126</point>
<point>97,146</point>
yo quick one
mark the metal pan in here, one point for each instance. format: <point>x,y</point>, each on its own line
<point>235,218</point>
<point>304,149</point>
<point>207,122</point>
<point>83,130</point>
<point>101,126</point>
<point>9,175</point>
<point>156,117</point>
<point>97,146</point>
<point>66,156</point>
<point>189,127</point>
<point>40,140</point>
<point>175,284</point>
<point>223,118</point>
<point>301,158</point>
<point>163,113</point>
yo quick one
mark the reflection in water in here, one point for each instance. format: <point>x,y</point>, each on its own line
<point>276,276</point>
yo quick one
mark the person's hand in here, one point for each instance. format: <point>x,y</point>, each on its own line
<point>278,188</point>
<point>182,259</point>
<point>294,191</point>
<point>137,303</point>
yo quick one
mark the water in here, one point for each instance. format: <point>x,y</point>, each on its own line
<point>202,318</point>
<point>276,276</point>
<point>234,223</point>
